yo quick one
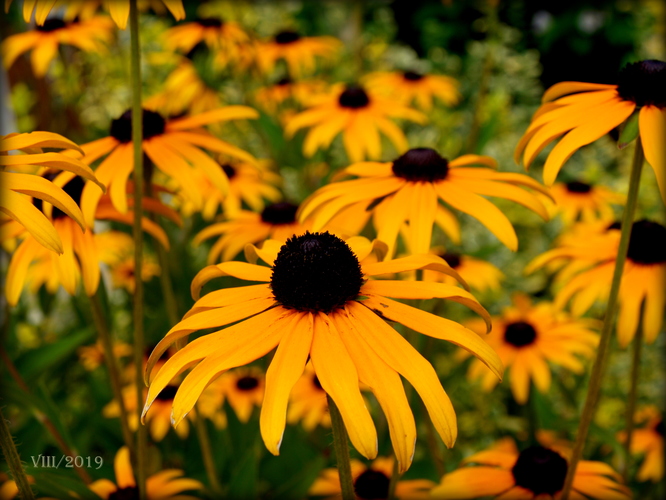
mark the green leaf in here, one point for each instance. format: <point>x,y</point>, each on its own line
<point>60,483</point>
<point>629,132</point>
<point>244,476</point>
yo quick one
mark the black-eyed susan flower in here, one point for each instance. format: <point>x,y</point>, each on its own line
<point>116,250</point>
<point>537,472</point>
<point>17,184</point>
<point>480,275</point>
<point>92,356</point>
<point>526,337</point>
<point>307,401</point>
<point>244,390</point>
<point>298,52</point>
<point>589,272</point>
<point>410,188</point>
<point>218,34</point>
<point>299,93</point>
<point>175,147</point>
<point>164,485</point>
<point>359,115</point>
<point>317,301</point>
<point>587,111</point>
<point>577,200</point>
<point>411,86</point>
<point>44,40</point>
<point>371,482</point>
<point>648,440</point>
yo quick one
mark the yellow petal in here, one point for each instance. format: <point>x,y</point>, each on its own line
<point>240,270</point>
<point>213,116</point>
<point>652,126</point>
<point>564,88</point>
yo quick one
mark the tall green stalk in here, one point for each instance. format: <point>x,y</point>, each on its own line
<point>633,395</point>
<point>341,451</point>
<point>207,455</point>
<point>137,137</point>
<point>14,460</point>
<point>596,377</point>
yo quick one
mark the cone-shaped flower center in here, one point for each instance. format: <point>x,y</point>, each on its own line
<point>316,272</point>
<point>353,97</point>
<point>659,428</point>
<point>372,485</point>
<point>168,393</point>
<point>286,37</point>
<point>519,334</point>
<point>421,164</point>
<point>279,213</point>
<point>644,83</point>
<point>129,493</point>
<point>452,259</point>
<point>229,170</point>
<point>317,383</point>
<point>540,470</point>
<point>153,124</point>
<point>209,22</point>
<point>52,25</point>
<point>412,76</point>
<point>247,383</point>
<point>648,243</point>
<point>578,187</point>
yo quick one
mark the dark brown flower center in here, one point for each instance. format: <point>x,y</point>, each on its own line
<point>247,383</point>
<point>578,187</point>
<point>519,334</point>
<point>209,22</point>
<point>284,81</point>
<point>52,25</point>
<point>452,259</point>
<point>644,83</point>
<point>73,188</point>
<point>421,164</point>
<point>153,124</point>
<point>647,244</point>
<point>412,76</point>
<point>168,393</point>
<point>286,37</point>
<point>279,213</point>
<point>316,272</point>
<point>353,97</point>
<point>372,485</point>
<point>129,493</point>
<point>229,170</point>
<point>659,428</point>
<point>540,470</point>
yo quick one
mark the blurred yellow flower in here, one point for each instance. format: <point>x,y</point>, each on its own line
<point>299,52</point>
<point>409,87</point>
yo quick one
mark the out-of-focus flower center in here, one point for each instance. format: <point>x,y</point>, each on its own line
<point>129,493</point>
<point>659,428</point>
<point>153,124</point>
<point>647,244</point>
<point>316,272</point>
<point>279,213</point>
<point>168,393</point>
<point>73,188</point>
<point>372,485</point>
<point>578,187</point>
<point>284,81</point>
<point>644,83</point>
<point>286,37</point>
<point>52,25</point>
<point>229,170</point>
<point>519,334</point>
<point>452,259</point>
<point>412,76</point>
<point>353,97</point>
<point>540,470</point>
<point>209,22</point>
<point>247,383</point>
<point>421,164</point>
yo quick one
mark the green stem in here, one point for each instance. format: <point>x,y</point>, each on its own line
<point>207,455</point>
<point>433,444</point>
<point>395,477</point>
<point>633,396</point>
<point>137,136</point>
<point>596,376</point>
<point>14,460</point>
<point>341,451</point>
<point>112,366</point>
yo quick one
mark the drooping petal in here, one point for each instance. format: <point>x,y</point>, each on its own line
<point>240,270</point>
<point>652,126</point>
<point>473,482</point>
<point>213,116</point>
<point>411,263</point>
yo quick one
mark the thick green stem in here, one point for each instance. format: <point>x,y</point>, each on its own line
<point>596,377</point>
<point>207,455</point>
<point>112,366</point>
<point>633,396</point>
<point>137,136</point>
<point>14,460</point>
<point>341,451</point>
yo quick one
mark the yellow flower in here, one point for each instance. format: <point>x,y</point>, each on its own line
<point>588,111</point>
<point>480,275</point>
<point>244,389</point>
<point>93,355</point>
<point>8,488</point>
<point>360,115</point>
<point>302,93</point>
<point>648,440</point>
<point>44,41</point>
<point>217,34</point>
<point>17,184</point>
<point>299,52</point>
<point>173,146</point>
<point>588,275</point>
<point>536,472</point>
<point>307,401</point>
<point>409,189</point>
<point>317,302</point>
<point>371,482</point>
<point>526,336</point>
<point>410,86</point>
<point>576,199</point>
<point>166,484</point>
